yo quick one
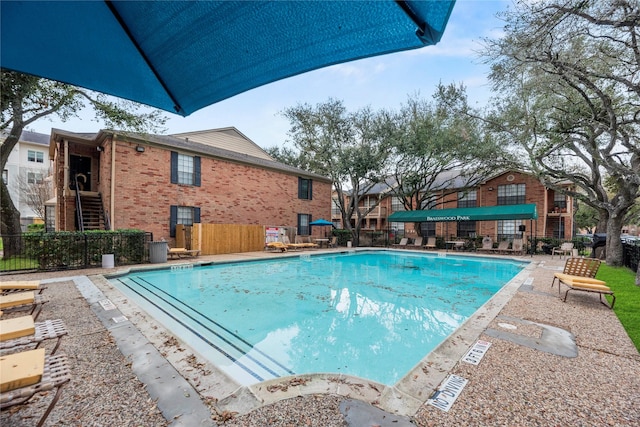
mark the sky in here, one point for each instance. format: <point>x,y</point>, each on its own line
<point>382,82</point>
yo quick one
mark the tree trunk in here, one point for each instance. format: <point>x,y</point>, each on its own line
<point>614,245</point>
<point>9,224</point>
<point>603,220</point>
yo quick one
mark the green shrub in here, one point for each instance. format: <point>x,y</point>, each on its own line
<point>32,228</point>
<point>343,236</point>
<point>74,249</point>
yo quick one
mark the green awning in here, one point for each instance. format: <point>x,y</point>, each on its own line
<point>486,213</point>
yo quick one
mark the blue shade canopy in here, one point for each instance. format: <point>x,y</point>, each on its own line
<point>181,56</point>
<point>321,222</point>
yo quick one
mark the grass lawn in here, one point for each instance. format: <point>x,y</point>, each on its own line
<point>18,263</point>
<point>621,280</point>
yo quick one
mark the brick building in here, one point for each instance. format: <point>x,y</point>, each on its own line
<point>152,183</point>
<point>555,210</point>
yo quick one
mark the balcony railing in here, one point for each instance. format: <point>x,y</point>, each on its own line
<point>377,212</point>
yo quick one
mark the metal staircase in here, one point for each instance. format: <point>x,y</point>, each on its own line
<point>92,212</point>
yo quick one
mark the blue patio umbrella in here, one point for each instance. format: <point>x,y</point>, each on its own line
<point>181,56</point>
<point>321,222</point>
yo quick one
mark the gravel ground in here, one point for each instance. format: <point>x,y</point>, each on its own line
<point>514,385</point>
<point>103,390</point>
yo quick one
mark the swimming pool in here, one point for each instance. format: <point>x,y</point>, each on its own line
<point>372,314</point>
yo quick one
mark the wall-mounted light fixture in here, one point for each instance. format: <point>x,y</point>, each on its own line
<point>99,148</point>
<point>139,148</point>
<point>490,188</point>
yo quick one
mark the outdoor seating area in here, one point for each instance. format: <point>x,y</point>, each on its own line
<point>25,368</point>
<point>301,243</point>
<point>514,246</point>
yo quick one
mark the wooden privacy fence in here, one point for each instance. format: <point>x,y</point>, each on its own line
<point>214,239</point>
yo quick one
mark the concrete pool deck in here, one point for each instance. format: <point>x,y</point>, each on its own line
<point>549,363</point>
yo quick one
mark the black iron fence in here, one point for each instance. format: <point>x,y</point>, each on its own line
<point>72,250</point>
<point>631,254</point>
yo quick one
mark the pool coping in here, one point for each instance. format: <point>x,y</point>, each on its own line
<point>403,399</point>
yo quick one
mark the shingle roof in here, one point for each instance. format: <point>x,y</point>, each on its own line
<point>35,137</point>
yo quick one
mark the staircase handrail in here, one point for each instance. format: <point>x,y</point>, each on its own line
<point>78,205</point>
<point>107,222</point>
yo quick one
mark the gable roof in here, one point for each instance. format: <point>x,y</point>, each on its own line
<point>228,138</point>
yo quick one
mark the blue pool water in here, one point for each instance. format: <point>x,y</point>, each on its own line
<point>373,314</point>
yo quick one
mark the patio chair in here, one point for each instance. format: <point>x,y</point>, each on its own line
<point>403,243</point>
<point>487,244</point>
<point>28,373</point>
<point>503,247</point>
<point>417,243</point>
<point>333,243</point>
<point>579,275</point>
<point>180,252</point>
<point>306,245</point>
<point>431,243</point>
<point>292,246</point>
<point>23,300</point>
<point>21,285</point>
<point>276,245</point>
<point>564,249</point>
<point>22,331</point>
<point>517,246</point>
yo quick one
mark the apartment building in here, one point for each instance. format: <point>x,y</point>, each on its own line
<point>154,182</point>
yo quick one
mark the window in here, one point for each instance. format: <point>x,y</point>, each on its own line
<point>396,204</point>
<point>305,188</point>
<point>512,194</point>
<point>186,215</point>
<point>5,177</point>
<point>34,178</point>
<point>508,229</point>
<point>559,200</point>
<point>428,229</point>
<point>467,199</point>
<point>50,218</point>
<point>35,156</point>
<point>397,227</point>
<point>429,203</point>
<point>466,229</point>
<point>335,209</point>
<point>303,224</point>
<point>185,169</point>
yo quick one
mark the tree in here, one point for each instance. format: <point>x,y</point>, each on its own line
<point>436,144</point>
<point>25,99</point>
<point>586,217</point>
<point>288,156</point>
<point>35,190</point>
<point>349,148</point>
<point>567,77</point>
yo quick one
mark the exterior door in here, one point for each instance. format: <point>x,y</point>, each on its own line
<point>80,166</point>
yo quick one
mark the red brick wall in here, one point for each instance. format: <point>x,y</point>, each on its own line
<point>230,193</point>
<point>487,195</point>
